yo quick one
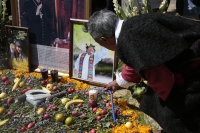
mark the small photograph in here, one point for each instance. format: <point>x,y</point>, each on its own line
<point>89,61</point>
<point>18,45</point>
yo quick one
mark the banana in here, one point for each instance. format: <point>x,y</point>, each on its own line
<point>17,81</point>
<point>3,122</point>
<point>45,89</point>
<point>76,101</point>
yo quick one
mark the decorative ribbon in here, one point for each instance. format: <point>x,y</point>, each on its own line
<point>90,66</point>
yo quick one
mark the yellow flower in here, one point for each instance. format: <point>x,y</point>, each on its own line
<point>123,103</point>
<point>135,129</point>
<point>85,86</point>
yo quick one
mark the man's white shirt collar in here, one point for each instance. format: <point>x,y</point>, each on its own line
<point>119,79</point>
<point>118,29</point>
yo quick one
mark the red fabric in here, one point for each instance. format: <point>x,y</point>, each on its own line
<point>159,78</point>
<point>130,75</point>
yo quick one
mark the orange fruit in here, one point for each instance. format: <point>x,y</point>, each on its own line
<point>2,110</point>
<point>21,84</point>
<point>68,120</point>
<point>59,118</point>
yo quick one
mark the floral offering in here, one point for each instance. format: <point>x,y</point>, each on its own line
<point>66,107</point>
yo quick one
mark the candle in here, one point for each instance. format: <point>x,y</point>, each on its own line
<point>93,94</point>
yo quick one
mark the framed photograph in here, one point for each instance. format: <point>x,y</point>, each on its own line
<point>18,47</point>
<point>89,62</point>
<point>49,32</point>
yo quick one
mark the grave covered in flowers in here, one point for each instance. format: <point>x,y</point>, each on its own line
<point>66,107</point>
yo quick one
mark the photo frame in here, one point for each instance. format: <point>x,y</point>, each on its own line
<point>53,37</point>
<point>18,47</point>
<point>89,62</point>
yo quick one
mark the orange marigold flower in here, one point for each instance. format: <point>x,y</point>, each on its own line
<point>134,129</point>
<point>122,103</point>
<point>127,112</point>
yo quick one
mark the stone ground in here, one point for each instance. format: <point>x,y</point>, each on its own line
<point>126,94</point>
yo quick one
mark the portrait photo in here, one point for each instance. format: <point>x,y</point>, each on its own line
<point>89,60</point>
<point>18,47</point>
<point>48,20</point>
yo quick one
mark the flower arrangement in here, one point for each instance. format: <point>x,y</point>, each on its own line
<point>135,8</point>
<point>3,22</point>
<point>71,111</point>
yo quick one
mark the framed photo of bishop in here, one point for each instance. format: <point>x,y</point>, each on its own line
<point>89,61</point>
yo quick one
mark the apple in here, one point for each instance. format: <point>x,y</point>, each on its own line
<point>92,103</point>
<point>107,105</point>
<point>43,82</point>
<point>72,89</point>
<point>10,112</point>
<point>104,112</point>
<point>80,105</point>
<point>83,116</point>
<point>117,112</point>
<point>50,106</point>
<point>69,90</point>
<point>9,100</point>
<point>23,128</point>
<point>7,82</point>
<point>75,112</point>
<point>46,116</point>
<point>30,125</point>
<point>94,109</point>
<point>98,117</point>
<point>92,131</point>
<point>4,78</point>
<point>54,88</point>
<point>55,108</point>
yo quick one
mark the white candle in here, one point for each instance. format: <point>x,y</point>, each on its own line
<point>93,94</point>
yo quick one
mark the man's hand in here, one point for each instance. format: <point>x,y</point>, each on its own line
<point>112,86</point>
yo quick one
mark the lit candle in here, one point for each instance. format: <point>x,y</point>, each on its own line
<point>93,94</point>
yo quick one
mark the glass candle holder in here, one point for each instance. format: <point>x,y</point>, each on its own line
<point>54,75</point>
<point>44,73</point>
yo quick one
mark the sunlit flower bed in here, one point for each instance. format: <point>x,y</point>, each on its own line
<point>52,115</point>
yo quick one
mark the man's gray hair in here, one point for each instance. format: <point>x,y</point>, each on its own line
<point>101,24</point>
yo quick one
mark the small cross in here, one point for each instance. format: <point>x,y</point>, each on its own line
<point>41,15</point>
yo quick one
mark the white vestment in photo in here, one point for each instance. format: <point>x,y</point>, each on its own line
<point>97,57</point>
